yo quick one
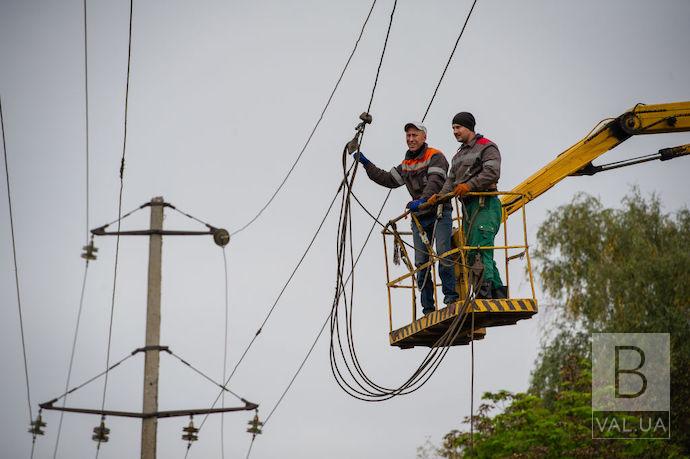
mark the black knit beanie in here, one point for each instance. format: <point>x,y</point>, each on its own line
<point>465,119</point>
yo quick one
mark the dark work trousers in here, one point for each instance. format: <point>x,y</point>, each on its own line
<point>446,268</point>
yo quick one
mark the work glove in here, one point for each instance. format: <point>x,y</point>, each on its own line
<point>461,189</point>
<point>414,205</point>
<point>433,199</point>
<point>359,156</point>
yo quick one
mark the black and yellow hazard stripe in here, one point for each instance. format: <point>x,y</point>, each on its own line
<point>518,306</point>
<point>507,305</point>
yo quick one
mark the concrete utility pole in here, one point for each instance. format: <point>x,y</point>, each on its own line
<point>149,414</point>
<point>149,426</point>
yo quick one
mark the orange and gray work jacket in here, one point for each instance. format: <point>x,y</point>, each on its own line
<point>423,172</point>
<point>477,163</point>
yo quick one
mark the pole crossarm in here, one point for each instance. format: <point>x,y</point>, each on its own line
<point>49,405</point>
<point>220,235</point>
<point>101,232</point>
<point>248,406</point>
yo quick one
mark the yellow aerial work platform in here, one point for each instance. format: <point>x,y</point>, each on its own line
<point>458,323</point>
<point>432,330</point>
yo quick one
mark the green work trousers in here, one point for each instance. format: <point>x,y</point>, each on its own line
<point>482,233</point>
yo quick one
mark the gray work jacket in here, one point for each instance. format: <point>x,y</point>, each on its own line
<point>423,172</point>
<point>477,163</point>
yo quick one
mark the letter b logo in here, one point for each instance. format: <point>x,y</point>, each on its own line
<point>630,371</point>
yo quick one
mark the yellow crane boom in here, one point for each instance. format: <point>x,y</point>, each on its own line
<point>576,160</point>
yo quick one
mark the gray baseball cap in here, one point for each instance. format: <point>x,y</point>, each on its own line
<point>415,125</point>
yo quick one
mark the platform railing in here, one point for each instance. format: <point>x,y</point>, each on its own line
<point>403,251</point>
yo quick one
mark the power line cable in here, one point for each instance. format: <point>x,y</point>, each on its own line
<point>119,209</point>
<point>72,354</point>
<point>249,451</point>
<point>87,224</point>
<point>450,58</point>
<point>429,365</point>
<point>383,53</point>
<point>345,219</point>
<point>431,101</point>
<point>16,269</point>
<point>273,306</point>
<point>276,301</point>
<point>366,389</point>
<point>318,335</point>
<point>346,204</point>
<point>86,120</point>
<point>345,225</point>
<point>328,317</point>
<point>472,390</point>
<point>432,368</point>
<point>344,182</point>
<point>287,283</point>
<point>320,332</point>
<point>311,348</point>
<point>457,324</point>
<point>225,356</point>
<point>318,122</point>
<point>345,211</point>
<point>431,358</point>
<point>383,225</point>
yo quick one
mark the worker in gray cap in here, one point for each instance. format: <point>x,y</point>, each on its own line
<point>423,172</point>
<point>477,167</point>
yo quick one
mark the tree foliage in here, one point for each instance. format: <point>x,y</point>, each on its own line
<point>527,428</point>
<point>620,271</point>
<point>606,270</point>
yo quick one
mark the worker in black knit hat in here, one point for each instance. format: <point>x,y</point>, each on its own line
<point>465,119</point>
<point>477,167</point>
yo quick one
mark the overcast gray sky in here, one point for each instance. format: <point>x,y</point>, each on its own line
<point>222,97</point>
